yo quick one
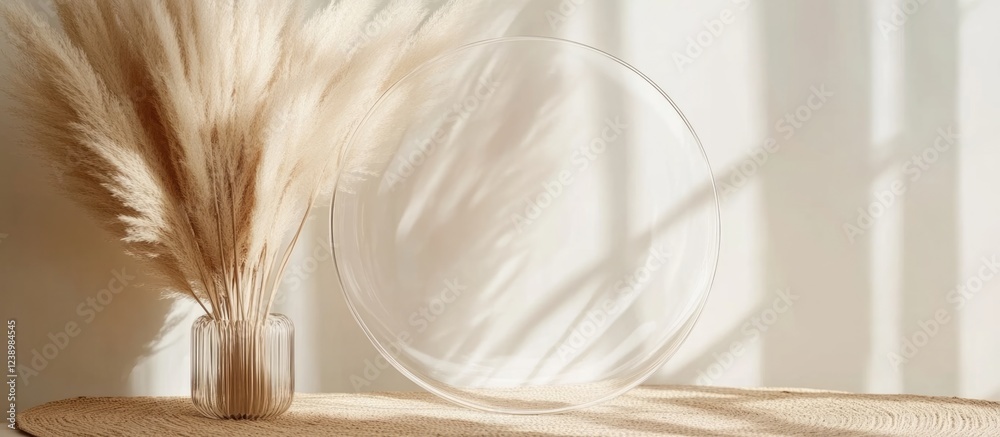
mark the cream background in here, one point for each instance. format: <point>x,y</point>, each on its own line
<point>782,229</point>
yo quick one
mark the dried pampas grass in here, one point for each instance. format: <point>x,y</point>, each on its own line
<point>200,132</point>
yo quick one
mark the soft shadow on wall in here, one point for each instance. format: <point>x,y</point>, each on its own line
<point>856,300</point>
<point>847,159</point>
<point>872,306</point>
<point>87,317</point>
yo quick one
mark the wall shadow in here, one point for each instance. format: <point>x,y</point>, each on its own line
<point>930,247</point>
<point>820,174</point>
<point>54,267</point>
<point>87,315</point>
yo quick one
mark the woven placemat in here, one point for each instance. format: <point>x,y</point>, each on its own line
<point>672,410</point>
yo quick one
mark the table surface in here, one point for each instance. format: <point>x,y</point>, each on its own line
<point>649,410</point>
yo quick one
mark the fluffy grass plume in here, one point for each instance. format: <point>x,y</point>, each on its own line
<point>200,132</point>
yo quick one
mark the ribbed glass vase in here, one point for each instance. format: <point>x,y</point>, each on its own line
<point>242,369</point>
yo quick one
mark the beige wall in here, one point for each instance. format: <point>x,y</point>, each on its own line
<point>852,302</point>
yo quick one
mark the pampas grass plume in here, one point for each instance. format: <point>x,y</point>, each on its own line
<point>200,132</point>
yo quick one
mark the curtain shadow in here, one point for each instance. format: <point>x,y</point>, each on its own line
<point>86,314</point>
<point>820,172</point>
<point>930,207</point>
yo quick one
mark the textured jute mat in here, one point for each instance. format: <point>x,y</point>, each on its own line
<point>668,410</point>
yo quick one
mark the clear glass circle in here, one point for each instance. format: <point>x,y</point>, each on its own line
<point>525,225</point>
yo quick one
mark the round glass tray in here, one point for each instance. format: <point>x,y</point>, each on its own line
<point>525,225</point>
